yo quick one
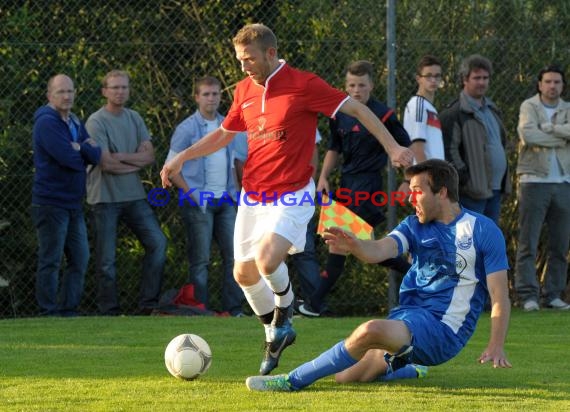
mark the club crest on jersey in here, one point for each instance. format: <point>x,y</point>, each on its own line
<point>460,264</point>
<point>261,121</point>
<point>464,242</point>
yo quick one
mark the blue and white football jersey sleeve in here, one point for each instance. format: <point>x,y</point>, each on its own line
<point>491,243</point>
<point>402,234</point>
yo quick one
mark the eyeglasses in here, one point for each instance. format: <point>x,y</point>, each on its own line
<point>430,76</point>
<point>117,87</point>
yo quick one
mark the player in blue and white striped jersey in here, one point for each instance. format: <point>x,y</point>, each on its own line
<point>457,257</point>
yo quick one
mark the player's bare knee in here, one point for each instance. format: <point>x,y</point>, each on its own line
<point>245,273</point>
<point>369,334</point>
<point>238,276</point>
<point>266,264</point>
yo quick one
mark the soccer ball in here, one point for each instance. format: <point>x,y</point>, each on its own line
<point>187,356</point>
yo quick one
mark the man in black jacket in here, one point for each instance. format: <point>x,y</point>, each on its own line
<point>475,140</point>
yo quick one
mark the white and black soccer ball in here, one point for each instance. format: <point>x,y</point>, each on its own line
<point>187,356</point>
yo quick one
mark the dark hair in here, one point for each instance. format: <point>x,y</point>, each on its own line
<point>361,68</point>
<point>205,81</point>
<point>256,33</point>
<point>474,62</point>
<point>440,173</point>
<point>551,69</point>
<point>427,60</point>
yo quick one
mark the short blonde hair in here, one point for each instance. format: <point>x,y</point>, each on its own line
<point>114,73</point>
<point>256,33</point>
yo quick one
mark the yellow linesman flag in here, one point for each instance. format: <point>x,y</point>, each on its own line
<point>335,214</point>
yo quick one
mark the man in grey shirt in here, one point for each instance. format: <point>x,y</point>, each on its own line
<point>116,194</point>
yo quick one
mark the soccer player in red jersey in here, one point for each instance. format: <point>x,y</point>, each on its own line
<point>277,106</point>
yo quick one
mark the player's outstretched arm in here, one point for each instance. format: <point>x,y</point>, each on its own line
<point>399,156</point>
<point>369,251</point>
<point>210,143</point>
<point>500,313</point>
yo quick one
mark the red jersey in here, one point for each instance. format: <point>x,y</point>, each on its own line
<point>280,119</point>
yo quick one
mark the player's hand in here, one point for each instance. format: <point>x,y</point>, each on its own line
<point>402,157</point>
<point>339,241</point>
<point>170,168</point>
<point>497,356</point>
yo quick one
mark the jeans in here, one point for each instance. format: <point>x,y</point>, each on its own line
<point>140,218</point>
<point>60,232</point>
<point>306,262</point>
<point>216,222</point>
<point>490,207</point>
<point>543,203</point>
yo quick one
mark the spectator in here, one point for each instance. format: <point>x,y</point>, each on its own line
<point>420,117</point>
<point>459,256</point>
<point>116,194</point>
<point>544,191</point>
<point>475,141</point>
<point>62,151</point>
<point>364,158</point>
<point>278,107</point>
<point>211,178</point>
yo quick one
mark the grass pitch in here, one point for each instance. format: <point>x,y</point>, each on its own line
<point>117,364</point>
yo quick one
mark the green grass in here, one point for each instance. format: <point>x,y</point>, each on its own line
<point>117,364</point>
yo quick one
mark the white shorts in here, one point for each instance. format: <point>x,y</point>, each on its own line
<point>287,218</point>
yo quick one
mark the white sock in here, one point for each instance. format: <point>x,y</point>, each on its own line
<point>259,297</point>
<point>279,282</point>
<point>269,333</point>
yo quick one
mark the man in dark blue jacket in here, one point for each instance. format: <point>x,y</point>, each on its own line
<point>62,151</point>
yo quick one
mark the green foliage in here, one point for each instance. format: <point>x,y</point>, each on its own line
<point>102,364</point>
<point>165,45</point>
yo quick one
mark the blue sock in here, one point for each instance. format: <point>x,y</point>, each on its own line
<point>334,360</point>
<point>405,372</point>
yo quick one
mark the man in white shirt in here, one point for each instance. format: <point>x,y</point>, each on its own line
<point>420,117</point>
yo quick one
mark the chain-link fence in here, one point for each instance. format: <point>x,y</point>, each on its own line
<point>166,44</point>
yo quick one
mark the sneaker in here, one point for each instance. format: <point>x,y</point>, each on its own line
<point>283,316</point>
<point>558,304</point>
<point>306,309</point>
<point>277,383</point>
<point>284,337</point>
<point>421,370</point>
<point>410,371</point>
<point>296,303</point>
<point>531,305</point>
<point>399,360</point>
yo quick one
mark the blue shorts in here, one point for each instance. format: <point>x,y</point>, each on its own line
<point>434,342</point>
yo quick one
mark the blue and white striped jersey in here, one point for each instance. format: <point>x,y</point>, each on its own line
<point>449,267</point>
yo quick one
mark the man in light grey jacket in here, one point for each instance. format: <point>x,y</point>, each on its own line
<point>544,176</point>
